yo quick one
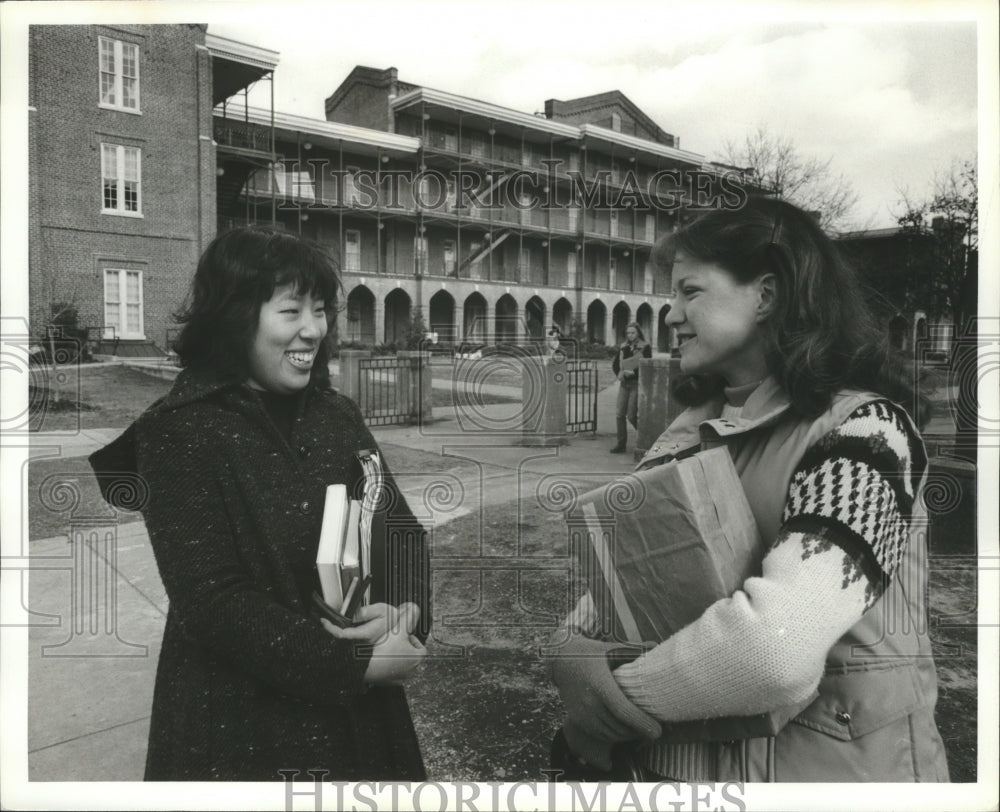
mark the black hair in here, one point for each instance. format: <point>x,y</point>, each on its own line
<point>236,274</point>
<point>823,335</point>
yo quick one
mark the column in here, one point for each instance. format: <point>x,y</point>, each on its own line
<point>657,409</point>
<point>544,392</point>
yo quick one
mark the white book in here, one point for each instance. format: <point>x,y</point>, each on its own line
<point>329,555</point>
<point>350,563</point>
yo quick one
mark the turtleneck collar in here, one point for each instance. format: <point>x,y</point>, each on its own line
<point>737,395</point>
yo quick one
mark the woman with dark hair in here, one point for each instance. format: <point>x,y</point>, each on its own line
<point>625,367</point>
<point>786,368</point>
<point>235,461</point>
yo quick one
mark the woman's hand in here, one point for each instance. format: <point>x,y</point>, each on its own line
<point>598,714</point>
<point>371,623</point>
<point>397,651</point>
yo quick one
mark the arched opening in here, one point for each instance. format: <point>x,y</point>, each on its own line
<point>562,315</point>
<point>360,316</point>
<point>475,321</point>
<point>534,317</point>
<point>597,316</point>
<point>397,316</point>
<point>441,317</point>
<point>644,317</point>
<point>505,327</point>
<point>665,333</point>
<point>621,315</point>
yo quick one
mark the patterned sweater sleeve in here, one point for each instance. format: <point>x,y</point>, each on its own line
<point>844,532</point>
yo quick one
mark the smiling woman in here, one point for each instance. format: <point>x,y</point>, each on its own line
<point>237,459</point>
<point>787,370</point>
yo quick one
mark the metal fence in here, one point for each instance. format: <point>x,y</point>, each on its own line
<point>581,397</point>
<point>387,390</point>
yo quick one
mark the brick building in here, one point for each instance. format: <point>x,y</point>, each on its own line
<point>123,172</point>
<point>490,223</point>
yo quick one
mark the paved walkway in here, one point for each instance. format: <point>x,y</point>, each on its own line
<point>92,660</point>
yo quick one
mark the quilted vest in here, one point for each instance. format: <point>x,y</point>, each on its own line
<point>874,717</point>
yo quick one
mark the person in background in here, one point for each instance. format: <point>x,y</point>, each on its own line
<point>627,406</point>
<point>236,460</point>
<point>785,366</point>
<point>553,341</point>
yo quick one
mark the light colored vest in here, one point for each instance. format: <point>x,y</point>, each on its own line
<point>874,717</point>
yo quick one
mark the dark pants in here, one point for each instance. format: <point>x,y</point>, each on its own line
<point>626,408</point>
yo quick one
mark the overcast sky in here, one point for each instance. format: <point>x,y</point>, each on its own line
<point>890,101</point>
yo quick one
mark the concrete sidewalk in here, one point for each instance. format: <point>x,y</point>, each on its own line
<point>93,650</point>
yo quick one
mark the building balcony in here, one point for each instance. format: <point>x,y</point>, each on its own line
<point>239,137</point>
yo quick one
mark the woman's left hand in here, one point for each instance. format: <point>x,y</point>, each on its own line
<point>598,713</point>
<point>373,622</point>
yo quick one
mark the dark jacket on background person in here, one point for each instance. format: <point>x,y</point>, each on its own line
<point>626,350</point>
<point>248,682</point>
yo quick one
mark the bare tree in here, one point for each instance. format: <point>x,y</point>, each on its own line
<point>943,279</point>
<point>775,164</point>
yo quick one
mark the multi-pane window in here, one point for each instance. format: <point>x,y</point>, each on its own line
<point>119,70</point>
<point>352,250</point>
<point>123,304</point>
<point>448,251</point>
<point>420,253</point>
<point>121,179</point>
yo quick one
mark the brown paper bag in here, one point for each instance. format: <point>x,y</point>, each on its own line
<point>660,546</point>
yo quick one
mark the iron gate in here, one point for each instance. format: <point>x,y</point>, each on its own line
<point>385,391</point>
<point>581,396</point>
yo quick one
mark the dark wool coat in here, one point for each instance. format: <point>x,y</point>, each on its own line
<point>248,681</point>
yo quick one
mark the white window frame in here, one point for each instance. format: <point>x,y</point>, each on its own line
<point>121,327</point>
<point>119,209</point>
<point>571,269</point>
<point>420,251</point>
<point>612,274</point>
<point>650,228</point>
<point>448,256</point>
<point>572,217</point>
<point>118,47</point>
<point>613,223</point>
<point>352,259</point>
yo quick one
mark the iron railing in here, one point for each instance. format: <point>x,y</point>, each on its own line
<point>581,396</point>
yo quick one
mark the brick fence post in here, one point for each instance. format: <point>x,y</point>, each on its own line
<point>657,408</point>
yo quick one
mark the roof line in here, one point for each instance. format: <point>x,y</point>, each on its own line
<point>241,52</point>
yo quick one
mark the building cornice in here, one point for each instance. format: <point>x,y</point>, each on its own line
<point>484,109</point>
<point>331,130</point>
<point>234,51</point>
<point>640,144</point>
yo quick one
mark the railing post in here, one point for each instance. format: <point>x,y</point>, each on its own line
<point>414,382</point>
<point>544,392</point>
<point>657,408</point>
<point>350,373</point>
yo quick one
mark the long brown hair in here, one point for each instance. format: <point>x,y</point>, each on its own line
<point>823,335</point>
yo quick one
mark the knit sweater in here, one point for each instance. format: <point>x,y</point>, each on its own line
<point>844,530</point>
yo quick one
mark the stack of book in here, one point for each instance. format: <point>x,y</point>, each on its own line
<point>344,555</point>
